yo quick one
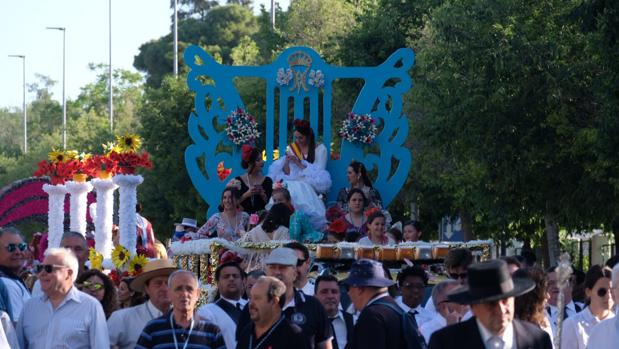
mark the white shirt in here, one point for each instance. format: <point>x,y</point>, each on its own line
<point>77,323</point>
<point>8,336</point>
<point>422,315</point>
<point>126,325</point>
<point>554,312</point>
<point>339,327</point>
<point>18,296</point>
<point>507,337</point>
<point>365,241</point>
<point>605,335</point>
<point>308,289</point>
<point>576,329</point>
<point>211,312</point>
<point>428,328</point>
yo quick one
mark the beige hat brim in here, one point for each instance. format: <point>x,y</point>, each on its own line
<point>138,283</point>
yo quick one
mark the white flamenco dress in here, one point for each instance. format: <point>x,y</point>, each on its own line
<point>306,184</point>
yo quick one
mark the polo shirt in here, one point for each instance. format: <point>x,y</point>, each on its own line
<point>304,311</point>
<point>159,333</point>
<point>282,335</point>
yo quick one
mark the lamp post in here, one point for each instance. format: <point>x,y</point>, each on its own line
<point>175,38</point>
<point>111,107</point>
<point>23,59</point>
<point>64,101</point>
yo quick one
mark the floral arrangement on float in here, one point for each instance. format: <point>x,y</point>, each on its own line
<point>358,128</point>
<point>121,265</point>
<point>241,127</point>
<point>125,153</point>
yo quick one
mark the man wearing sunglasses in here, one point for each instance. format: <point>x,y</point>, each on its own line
<point>13,292</point>
<point>63,316</point>
<point>302,282</point>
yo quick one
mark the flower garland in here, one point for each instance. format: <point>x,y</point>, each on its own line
<point>78,204</point>
<point>103,219</point>
<point>60,166</point>
<point>242,127</point>
<point>127,219</point>
<point>55,215</point>
<point>358,128</point>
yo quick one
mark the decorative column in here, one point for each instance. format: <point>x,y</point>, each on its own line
<point>78,192</point>
<point>103,217</point>
<point>128,184</point>
<point>55,213</point>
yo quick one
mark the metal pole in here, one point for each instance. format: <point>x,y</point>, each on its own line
<point>64,98</point>
<point>111,107</point>
<point>23,58</point>
<point>175,38</point>
<point>273,14</point>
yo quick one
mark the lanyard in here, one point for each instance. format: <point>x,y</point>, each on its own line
<point>251,336</point>
<point>174,332</point>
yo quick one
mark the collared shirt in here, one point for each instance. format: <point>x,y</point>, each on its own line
<point>605,335</point>
<point>308,289</point>
<point>18,296</point>
<point>570,308</point>
<point>211,312</point>
<point>507,337</point>
<point>421,316</point>
<point>339,327</point>
<point>428,328</point>
<point>377,297</point>
<point>126,325</point>
<point>577,328</point>
<point>161,332</point>
<point>78,322</point>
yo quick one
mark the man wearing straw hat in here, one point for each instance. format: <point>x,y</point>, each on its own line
<point>490,291</point>
<point>126,325</point>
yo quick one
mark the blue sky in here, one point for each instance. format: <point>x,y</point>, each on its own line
<point>22,31</point>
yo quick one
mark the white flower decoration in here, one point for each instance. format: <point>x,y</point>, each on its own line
<point>284,76</point>
<point>316,78</point>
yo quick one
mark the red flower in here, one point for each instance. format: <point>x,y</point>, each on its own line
<point>223,172</point>
<point>371,211</point>
<point>334,213</point>
<point>339,226</point>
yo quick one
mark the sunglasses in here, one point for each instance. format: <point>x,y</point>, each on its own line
<point>457,276</point>
<point>22,246</point>
<point>91,286</point>
<point>300,262</point>
<point>601,292</point>
<point>49,268</point>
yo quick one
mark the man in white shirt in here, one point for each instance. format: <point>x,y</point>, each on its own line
<point>328,294</point>
<point>126,325</point>
<point>226,311</point>
<point>302,282</point>
<point>63,316</point>
<point>449,313</point>
<point>12,248</point>
<point>490,291</point>
<point>605,335</point>
<point>412,282</point>
<point>552,312</point>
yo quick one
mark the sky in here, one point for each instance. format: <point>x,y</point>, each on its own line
<point>23,32</point>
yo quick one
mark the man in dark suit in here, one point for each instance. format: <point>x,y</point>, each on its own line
<point>382,324</point>
<point>327,291</point>
<point>490,291</point>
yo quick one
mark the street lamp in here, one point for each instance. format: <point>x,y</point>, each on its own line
<point>64,101</point>
<point>23,59</point>
<point>110,72</point>
<point>175,38</point>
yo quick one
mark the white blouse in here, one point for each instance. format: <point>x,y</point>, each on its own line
<point>577,328</point>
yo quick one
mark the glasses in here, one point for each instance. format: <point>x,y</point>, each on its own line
<point>300,262</point>
<point>602,292</point>
<point>22,246</point>
<point>410,285</point>
<point>457,276</point>
<point>91,286</point>
<point>48,268</point>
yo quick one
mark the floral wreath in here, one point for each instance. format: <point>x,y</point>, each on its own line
<point>241,127</point>
<point>358,128</point>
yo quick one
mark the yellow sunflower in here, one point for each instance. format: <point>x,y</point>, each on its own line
<point>137,263</point>
<point>56,156</point>
<point>72,154</point>
<point>120,256</point>
<point>95,258</point>
<point>129,143</point>
<point>109,147</point>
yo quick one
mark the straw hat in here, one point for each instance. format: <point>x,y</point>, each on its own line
<point>154,268</point>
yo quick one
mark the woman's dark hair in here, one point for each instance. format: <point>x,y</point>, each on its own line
<point>109,298</point>
<point>137,298</point>
<point>284,192</point>
<point>530,306</point>
<point>415,224</point>
<point>359,168</point>
<point>235,195</point>
<point>354,191</point>
<point>303,127</point>
<point>595,273</point>
<point>249,163</point>
<point>373,216</point>
<point>279,214</point>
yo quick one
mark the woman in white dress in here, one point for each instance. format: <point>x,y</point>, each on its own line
<point>303,171</point>
<point>577,328</point>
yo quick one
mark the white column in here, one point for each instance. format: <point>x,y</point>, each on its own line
<point>55,213</point>
<point>103,218</point>
<point>78,192</point>
<point>126,209</point>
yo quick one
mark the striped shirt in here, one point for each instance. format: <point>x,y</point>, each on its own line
<point>159,334</point>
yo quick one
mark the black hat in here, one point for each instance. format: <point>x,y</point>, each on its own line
<point>488,282</point>
<point>366,272</point>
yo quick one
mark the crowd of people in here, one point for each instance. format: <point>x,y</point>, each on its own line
<point>501,303</point>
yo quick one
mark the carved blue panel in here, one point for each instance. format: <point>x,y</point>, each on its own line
<point>297,75</point>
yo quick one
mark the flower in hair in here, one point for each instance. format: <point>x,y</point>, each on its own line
<point>246,150</point>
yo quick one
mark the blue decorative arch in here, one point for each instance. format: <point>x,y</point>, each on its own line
<point>298,74</point>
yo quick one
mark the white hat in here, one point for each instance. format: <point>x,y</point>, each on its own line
<point>188,222</point>
<point>282,256</point>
